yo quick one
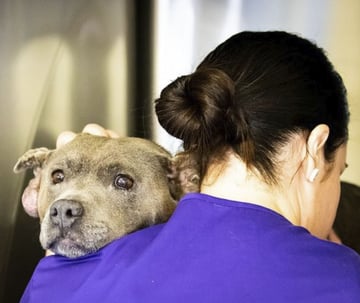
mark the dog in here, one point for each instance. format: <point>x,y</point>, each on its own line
<point>94,190</point>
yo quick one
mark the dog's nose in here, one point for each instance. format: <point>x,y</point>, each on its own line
<point>65,212</point>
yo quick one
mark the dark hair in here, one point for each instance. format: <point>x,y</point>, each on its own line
<point>251,93</point>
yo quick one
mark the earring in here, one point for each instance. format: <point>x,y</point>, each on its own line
<point>313,174</point>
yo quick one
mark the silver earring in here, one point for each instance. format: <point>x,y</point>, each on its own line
<point>313,174</point>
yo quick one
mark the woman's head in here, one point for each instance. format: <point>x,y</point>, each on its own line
<point>251,94</point>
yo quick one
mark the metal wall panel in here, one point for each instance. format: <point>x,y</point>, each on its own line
<point>63,64</point>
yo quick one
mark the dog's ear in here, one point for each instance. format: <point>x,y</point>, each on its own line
<point>32,159</point>
<point>183,175</point>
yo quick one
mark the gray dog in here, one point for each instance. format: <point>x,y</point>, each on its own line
<point>96,189</point>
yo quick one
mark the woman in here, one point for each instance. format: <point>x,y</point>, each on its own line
<point>266,117</point>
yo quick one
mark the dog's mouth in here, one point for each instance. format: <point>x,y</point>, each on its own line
<point>72,236</point>
<point>73,243</point>
<point>68,247</point>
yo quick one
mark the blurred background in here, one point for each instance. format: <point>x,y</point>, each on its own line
<point>64,64</point>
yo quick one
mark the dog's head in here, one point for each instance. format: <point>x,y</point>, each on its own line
<point>96,189</point>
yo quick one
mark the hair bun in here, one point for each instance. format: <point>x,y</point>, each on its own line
<point>194,108</point>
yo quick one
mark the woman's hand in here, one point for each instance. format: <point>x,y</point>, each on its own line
<point>93,129</point>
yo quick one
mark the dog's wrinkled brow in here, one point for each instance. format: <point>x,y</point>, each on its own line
<point>111,168</point>
<point>75,165</point>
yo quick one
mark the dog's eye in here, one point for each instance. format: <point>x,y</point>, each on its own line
<point>57,176</point>
<point>123,182</point>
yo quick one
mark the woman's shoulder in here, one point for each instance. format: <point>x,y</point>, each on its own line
<point>325,261</point>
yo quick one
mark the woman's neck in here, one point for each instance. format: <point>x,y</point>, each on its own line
<point>233,181</point>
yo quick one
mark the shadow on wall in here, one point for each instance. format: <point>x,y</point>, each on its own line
<point>23,256</point>
<point>25,251</point>
<point>347,222</point>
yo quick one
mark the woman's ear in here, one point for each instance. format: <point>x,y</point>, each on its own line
<point>315,151</point>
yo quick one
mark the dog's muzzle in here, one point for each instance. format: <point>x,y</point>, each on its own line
<point>64,213</point>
